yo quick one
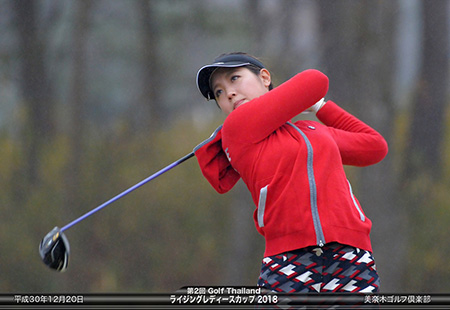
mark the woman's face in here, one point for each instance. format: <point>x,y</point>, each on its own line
<point>234,87</point>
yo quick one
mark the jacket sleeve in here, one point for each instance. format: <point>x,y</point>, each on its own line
<point>214,163</point>
<point>358,143</point>
<point>257,119</point>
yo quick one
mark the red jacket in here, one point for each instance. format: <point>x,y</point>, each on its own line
<point>294,171</point>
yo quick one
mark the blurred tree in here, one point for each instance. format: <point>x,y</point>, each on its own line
<point>77,104</point>
<point>256,18</point>
<point>245,247</point>
<point>428,111</point>
<point>35,88</point>
<point>423,157</point>
<point>288,64</point>
<point>150,103</point>
<point>358,57</point>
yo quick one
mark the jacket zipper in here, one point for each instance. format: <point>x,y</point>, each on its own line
<point>320,238</point>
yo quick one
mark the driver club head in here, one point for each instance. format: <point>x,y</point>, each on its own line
<point>55,250</point>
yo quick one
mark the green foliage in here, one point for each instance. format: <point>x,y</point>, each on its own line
<point>426,200</point>
<point>177,230</point>
<point>428,268</point>
<point>166,234</point>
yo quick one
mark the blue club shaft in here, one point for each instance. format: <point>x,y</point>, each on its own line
<point>153,176</point>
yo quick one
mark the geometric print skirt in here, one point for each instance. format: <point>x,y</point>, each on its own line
<point>332,268</point>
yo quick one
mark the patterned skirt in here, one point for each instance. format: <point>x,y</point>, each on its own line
<point>331,268</point>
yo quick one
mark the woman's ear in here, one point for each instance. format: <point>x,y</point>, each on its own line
<point>264,74</point>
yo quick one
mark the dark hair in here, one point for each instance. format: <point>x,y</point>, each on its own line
<point>256,70</point>
<point>253,68</point>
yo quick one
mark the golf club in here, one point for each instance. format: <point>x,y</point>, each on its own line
<point>54,247</point>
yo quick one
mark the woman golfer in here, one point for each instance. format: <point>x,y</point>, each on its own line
<point>316,233</point>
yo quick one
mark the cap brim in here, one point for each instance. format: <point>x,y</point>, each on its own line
<point>205,72</point>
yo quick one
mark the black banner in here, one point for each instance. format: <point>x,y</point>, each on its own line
<point>213,297</point>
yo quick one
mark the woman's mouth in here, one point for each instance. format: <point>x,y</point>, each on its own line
<point>238,103</point>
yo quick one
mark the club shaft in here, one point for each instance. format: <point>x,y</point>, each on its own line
<point>153,176</point>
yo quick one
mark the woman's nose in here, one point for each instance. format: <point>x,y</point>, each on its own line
<point>231,93</point>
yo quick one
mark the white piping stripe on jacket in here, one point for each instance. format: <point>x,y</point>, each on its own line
<point>262,205</point>
<point>363,218</point>
<point>212,137</point>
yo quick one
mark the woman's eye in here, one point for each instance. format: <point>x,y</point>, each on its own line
<point>234,77</point>
<point>218,92</point>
